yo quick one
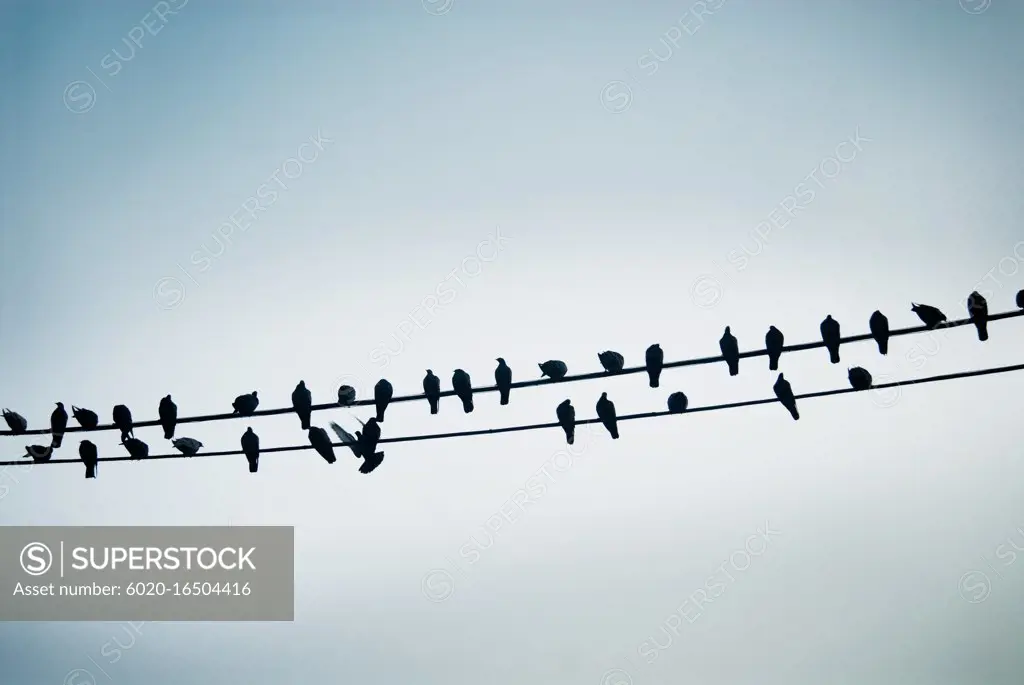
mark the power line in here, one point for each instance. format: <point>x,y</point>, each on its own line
<point>526,384</point>
<point>580,422</point>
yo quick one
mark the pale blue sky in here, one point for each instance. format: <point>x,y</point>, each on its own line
<point>442,129</point>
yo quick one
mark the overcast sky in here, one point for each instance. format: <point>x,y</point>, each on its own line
<point>481,149</point>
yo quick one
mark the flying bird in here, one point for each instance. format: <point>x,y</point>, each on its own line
<point>879,325</point>
<point>368,437</point>
<point>553,369</point>
<point>1020,299</point>
<point>123,421</point>
<point>432,389</point>
<point>730,351</point>
<point>349,440</point>
<point>39,453</point>
<point>677,403</point>
<point>58,423</point>
<point>346,395</point>
<point>187,446</point>
<point>655,359</point>
<point>606,412</point>
<point>611,361</point>
<point>168,416</point>
<point>86,418</point>
<point>251,447</point>
<point>784,392</point>
<point>87,453</point>
<point>302,403</point>
<point>136,448</point>
<point>464,389</point>
<point>503,379</point>
<point>371,462</point>
<point>382,394</point>
<point>320,441</point>
<point>773,341</point>
<point>15,421</point>
<point>930,316</point>
<point>978,308</point>
<point>245,405</point>
<point>567,419</point>
<point>859,377</point>
<point>830,336</point>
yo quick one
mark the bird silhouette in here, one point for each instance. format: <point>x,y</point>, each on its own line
<point>320,441</point>
<point>302,403</point>
<point>168,416</point>
<point>567,419</point>
<point>830,336</point>
<point>773,341</point>
<point>930,316</point>
<point>677,403</point>
<point>382,394</point>
<point>15,421</point>
<point>123,421</point>
<point>39,453</point>
<point>251,447</point>
<point>58,423</point>
<point>432,389</point>
<point>136,448</point>
<point>606,412</point>
<point>1020,299</point>
<point>89,456</point>
<point>611,361</point>
<point>730,351</point>
<point>368,437</point>
<point>346,395</point>
<point>86,418</point>
<point>655,360</point>
<point>553,369</point>
<point>879,325</point>
<point>371,462</point>
<point>784,392</point>
<point>503,379</point>
<point>464,389</point>
<point>978,308</point>
<point>187,446</point>
<point>859,377</point>
<point>245,405</point>
<point>349,440</point>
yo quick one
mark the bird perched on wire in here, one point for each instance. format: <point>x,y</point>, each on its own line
<point>654,359</point>
<point>320,441</point>
<point>677,403</point>
<point>553,369</point>
<point>464,389</point>
<point>859,377</point>
<point>168,411</point>
<point>368,437</point>
<point>879,325</point>
<point>730,351</point>
<point>302,403</point>
<point>606,412</point>
<point>567,420</point>
<point>611,361</point>
<point>503,379</point>
<point>15,421</point>
<point>245,405</point>
<point>977,306</point>
<point>346,395</point>
<point>58,424</point>
<point>251,448</point>
<point>831,337</point>
<point>930,316</point>
<point>784,391</point>
<point>347,439</point>
<point>187,446</point>
<point>382,394</point>
<point>773,341</point>
<point>89,456</point>
<point>432,389</point>
<point>136,448</point>
<point>86,418</point>
<point>39,453</point>
<point>123,421</point>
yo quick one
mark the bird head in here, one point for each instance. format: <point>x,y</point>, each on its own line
<point>604,396</point>
<point>727,332</point>
<point>429,372</point>
<point>60,404</point>
<point>781,377</point>
<point>302,384</point>
<point>914,306</point>
<point>500,360</point>
<point>254,393</point>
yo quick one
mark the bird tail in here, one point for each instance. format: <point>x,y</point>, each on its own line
<point>433,406</point>
<point>883,346</point>
<point>570,436</point>
<point>983,331</point>
<point>833,355</point>
<point>57,439</point>
<point>90,470</point>
<point>380,416</point>
<point>467,405</point>
<point>254,464</point>
<point>734,368</point>
<point>794,413</point>
<point>305,423</point>
<point>168,432</point>
<point>504,397</point>
<point>614,430</point>
<point>773,363</point>
<point>655,376</point>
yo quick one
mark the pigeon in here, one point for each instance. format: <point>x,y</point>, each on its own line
<point>464,389</point>
<point>830,335</point>
<point>730,351</point>
<point>58,422</point>
<point>320,441</point>
<point>302,403</point>
<point>347,439</point>
<point>123,420</point>
<point>187,446</point>
<point>39,453</point>
<point>677,403</point>
<point>245,405</point>
<point>930,316</point>
<point>503,379</point>
<point>879,325</point>
<point>371,462</point>
<point>87,453</point>
<point>432,389</point>
<point>655,359</point>
<point>784,392</point>
<point>136,448</point>
<point>978,308</point>
<point>611,361</point>
<point>606,412</point>
<point>567,419</point>
<point>16,421</point>
<point>368,438</point>
<point>86,418</point>
<point>773,341</point>
<point>251,448</point>
<point>382,394</point>
<point>859,377</point>
<point>346,395</point>
<point>554,369</point>
<point>1020,299</point>
<point>168,416</point>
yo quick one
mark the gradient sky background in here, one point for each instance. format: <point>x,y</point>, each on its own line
<point>445,127</point>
